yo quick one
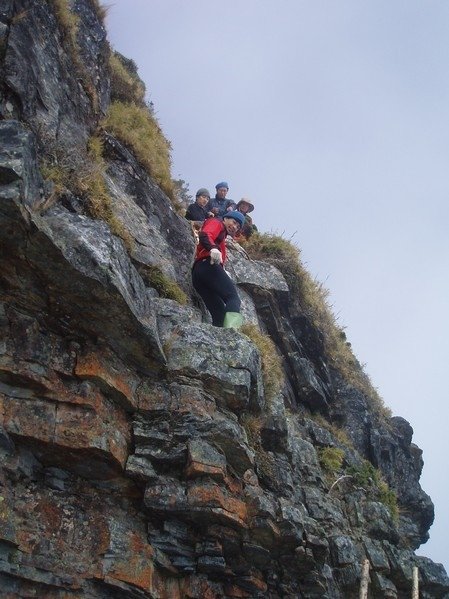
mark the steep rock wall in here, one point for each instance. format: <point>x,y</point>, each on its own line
<point>141,456</point>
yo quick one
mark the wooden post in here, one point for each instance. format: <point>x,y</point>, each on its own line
<point>364,581</point>
<point>415,588</point>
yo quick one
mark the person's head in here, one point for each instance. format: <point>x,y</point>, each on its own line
<point>245,206</point>
<point>202,196</point>
<point>233,221</point>
<point>222,189</point>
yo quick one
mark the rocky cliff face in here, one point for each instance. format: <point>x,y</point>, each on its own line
<point>141,455</point>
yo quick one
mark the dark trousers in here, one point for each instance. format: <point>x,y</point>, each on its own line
<point>216,289</point>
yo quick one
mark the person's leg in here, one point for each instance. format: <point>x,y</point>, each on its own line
<point>232,319</point>
<point>203,279</point>
<point>223,286</point>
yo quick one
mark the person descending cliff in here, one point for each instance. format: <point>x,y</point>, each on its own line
<point>208,275</point>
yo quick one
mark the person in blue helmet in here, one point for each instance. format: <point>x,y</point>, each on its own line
<point>209,277</point>
<point>219,205</point>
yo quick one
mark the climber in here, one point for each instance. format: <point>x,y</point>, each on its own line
<point>248,228</point>
<point>208,275</point>
<point>198,211</point>
<point>219,205</point>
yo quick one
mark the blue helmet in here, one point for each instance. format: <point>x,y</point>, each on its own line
<point>237,216</point>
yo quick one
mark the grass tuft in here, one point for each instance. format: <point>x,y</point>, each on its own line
<point>331,459</point>
<point>139,130</point>
<point>101,10</point>
<point>165,286</point>
<point>272,372</point>
<point>126,86</point>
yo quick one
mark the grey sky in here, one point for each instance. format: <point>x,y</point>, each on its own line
<point>333,118</point>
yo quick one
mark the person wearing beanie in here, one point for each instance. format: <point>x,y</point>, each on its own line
<point>209,278</point>
<point>248,228</point>
<point>219,205</point>
<point>198,211</point>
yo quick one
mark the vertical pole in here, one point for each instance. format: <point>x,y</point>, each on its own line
<point>415,588</point>
<point>364,580</point>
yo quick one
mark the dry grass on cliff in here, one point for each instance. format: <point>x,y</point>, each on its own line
<point>92,185</point>
<point>101,10</point>
<point>272,372</point>
<point>313,300</point>
<point>69,23</point>
<point>165,286</point>
<point>84,176</point>
<point>331,459</point>
<point>126,86</point>
<point>139,130</point>
<point>338,433</point>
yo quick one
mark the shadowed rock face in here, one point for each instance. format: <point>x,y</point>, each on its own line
<point>140,456</point>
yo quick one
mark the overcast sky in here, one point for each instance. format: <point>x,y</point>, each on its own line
<point>332,117</point>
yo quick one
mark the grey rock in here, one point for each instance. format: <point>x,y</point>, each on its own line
<point>166,495</point>
<point>211,565</point>
<point>226,362</point>
<point>163,239</point>
<point>324,508</point>
<point>254,275</point>
<point>42,78</point>
<point>208,457</point>
<point>343,551</point>
<point>434,579</point>
<point>20,180</point>
<point>383,585</point>
<point>140,468</point>
<point>376,555</point>
<point>311,390</point>
<point>379,522</point>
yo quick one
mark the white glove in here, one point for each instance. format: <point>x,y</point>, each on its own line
<point>215,256</point>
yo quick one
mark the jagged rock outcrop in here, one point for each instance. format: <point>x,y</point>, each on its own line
<point>140,453</point>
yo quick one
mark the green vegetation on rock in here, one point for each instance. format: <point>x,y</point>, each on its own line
<point>312,298</point>
<point>165,286</point>
<point>370,478</point>
<point>84,176</point>
<point>126,86</point>
<point>139,130</point>
<point>331,459</point>
<point>272,372</point>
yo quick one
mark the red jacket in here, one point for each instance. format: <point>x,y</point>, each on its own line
<point>212,235</point>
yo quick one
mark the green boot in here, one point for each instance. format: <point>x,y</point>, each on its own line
<point>232,320</point>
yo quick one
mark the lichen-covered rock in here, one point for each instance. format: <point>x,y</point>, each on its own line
<point>58,87</point>
<point>226,362</point>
